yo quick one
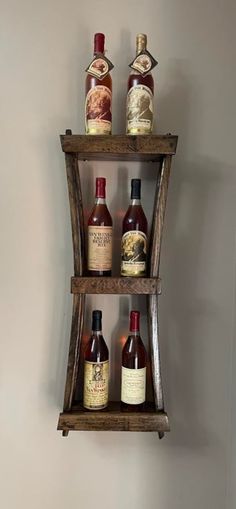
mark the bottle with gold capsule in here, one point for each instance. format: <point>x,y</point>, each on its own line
<point>139,107</point>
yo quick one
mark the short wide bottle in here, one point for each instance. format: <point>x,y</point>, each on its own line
<point>96,367</point>
<point>133,371</point>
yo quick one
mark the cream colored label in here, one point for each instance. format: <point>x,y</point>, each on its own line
<point>99,247</point>
<point>139,110</point>
<point>98,110</point>
<point>96,378</point>
<point>133,385</point>
<point>133,253</point>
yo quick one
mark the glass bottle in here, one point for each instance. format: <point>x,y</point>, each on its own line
<point>98,117</point>
<point>96,367</point>
<point>100,234</point>
<point>133,371</point>
<point>139,106</point>
<point>134,236</point>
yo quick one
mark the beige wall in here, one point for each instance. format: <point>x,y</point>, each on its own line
<point>45,48</point>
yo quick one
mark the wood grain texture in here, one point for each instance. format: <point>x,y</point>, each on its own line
<point>115,285</point>
<point>113,419</point>
<point>120,147</point>
<point>77,225</point>
<point>155,249</point>
<point>74,350</point>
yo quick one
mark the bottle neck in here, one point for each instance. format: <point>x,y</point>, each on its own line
<point>97,332</point>
<point>135,201</point>
<point>99,42</point>
<point>141,43</point>
<point>134,323</point>
<point>100,201</point>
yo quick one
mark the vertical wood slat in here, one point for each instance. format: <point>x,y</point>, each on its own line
<point>77,224</point>
<point>155,248</point>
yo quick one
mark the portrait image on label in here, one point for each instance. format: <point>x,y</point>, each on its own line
<point>133,253</point>
<point>140,109</point>
<point>98,110</point>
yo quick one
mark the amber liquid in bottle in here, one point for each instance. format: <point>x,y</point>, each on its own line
<point>133,371</point>
<point>100,234</point>
<point>98,117</point>
<point>139,109</point>
<point>96,367</point>
<point>134,236</point>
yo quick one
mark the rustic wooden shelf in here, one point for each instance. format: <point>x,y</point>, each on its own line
<point>152,148</point>
<point>116,285</point>
<point>120,147</point>
<point>112,419</point>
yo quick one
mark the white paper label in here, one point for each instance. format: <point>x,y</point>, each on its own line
<point>133,385</point>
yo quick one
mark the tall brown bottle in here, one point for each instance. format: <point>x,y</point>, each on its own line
<point>96,367</point>
<point>133,371</point>
<point>98,117</point>
<point>100,234</point>
<point>139,108</point>
<point>134,236</point>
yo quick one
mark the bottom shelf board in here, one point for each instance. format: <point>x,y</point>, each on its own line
<point>113,419</point>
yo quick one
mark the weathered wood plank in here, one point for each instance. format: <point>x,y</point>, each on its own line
<point>77,224</point>
<point>117,147</point>
<point>155,249</point>
<point>113,420</point>
<point>115,285</point>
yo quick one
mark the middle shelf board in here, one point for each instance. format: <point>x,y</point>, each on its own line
<point>116,285</point>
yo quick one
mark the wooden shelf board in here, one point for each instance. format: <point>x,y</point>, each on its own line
<point>112,419</point>
<point>120,147</point>
<point>116,285</point>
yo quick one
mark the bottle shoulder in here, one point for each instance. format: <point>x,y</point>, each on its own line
<point>134,216</point>
<point>100,216</point>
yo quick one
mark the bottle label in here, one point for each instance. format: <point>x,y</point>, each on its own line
<point>98,110</point>
<point>133,253</point>
<point>133,385</point>
<point>99,248</point>
<point>139,110</point>
<point>100,66</point>
<point>96,378</point>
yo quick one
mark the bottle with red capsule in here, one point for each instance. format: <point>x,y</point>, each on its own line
<point>100,234</point>
<point>98,91</point>
<point>134,366</point>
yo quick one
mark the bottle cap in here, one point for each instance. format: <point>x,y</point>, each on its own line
<point>134,321</point>
<point>97,320</point>
<point>100,187</point>
<point>99,41</point>
<point>135,189</point>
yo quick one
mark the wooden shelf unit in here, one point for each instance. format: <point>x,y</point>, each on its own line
<point>157,149</point>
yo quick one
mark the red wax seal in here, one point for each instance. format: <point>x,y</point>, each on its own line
<point>100,187</point>
<point>134,321</point>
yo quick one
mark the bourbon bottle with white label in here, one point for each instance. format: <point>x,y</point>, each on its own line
<point>98,91</point>
<point>139,107</point>
<point>134,236</point>
<point>133,371</point>
<point>100,234</point>
<point>96,367</point>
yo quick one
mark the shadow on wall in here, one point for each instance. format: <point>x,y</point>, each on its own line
<point>200,218</point>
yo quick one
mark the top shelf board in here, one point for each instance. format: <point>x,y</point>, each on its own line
<point>120,147</point>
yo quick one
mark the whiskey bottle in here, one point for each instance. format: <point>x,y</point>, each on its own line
<point>98,88</point>
<point>100,234</point>
<point>133,371</point>
<point>139,106</point>
<point>134,236</point>
<point>96,367</point>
